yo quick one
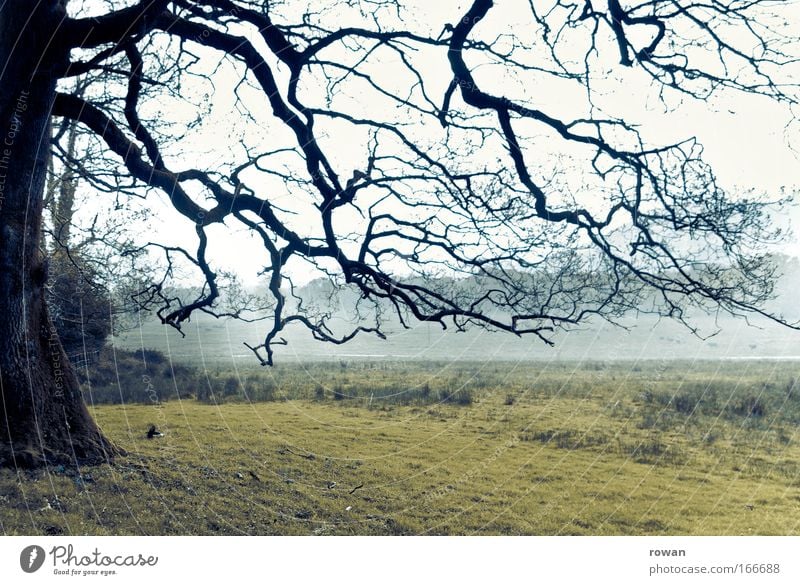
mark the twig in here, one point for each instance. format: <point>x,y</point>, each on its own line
<point>309,456</point>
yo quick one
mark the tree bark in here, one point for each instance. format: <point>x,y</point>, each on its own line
<point>43,419</point>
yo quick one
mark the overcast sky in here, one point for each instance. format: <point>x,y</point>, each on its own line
<point>751,141</point>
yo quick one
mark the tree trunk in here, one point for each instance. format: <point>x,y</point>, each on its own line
<point>43,419</point>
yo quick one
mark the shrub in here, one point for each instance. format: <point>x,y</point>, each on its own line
<point>685,404</point>
<point>265,390</point>
<point>425,392</point>
<point>750,406</point>
<point>152,356</point>
<point>461,397</point>
<point>230,386</point>
<point>80,307</point>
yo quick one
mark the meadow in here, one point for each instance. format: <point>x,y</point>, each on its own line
<point>381,447</point>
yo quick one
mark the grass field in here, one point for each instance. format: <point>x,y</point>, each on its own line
<point>658,447</point>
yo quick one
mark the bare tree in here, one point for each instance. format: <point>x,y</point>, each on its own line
<point>403,149</point>
<point>95,269</point>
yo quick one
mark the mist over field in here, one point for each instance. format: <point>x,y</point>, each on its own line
<point>221,341</point>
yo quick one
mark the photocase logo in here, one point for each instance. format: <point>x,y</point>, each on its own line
<point>31,558</point>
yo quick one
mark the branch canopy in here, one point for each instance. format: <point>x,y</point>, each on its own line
<point>468,166</point>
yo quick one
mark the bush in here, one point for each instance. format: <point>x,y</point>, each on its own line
<point>230,386</point>
<point>120,376</point>
<point>152,356</point>
<point>685,404</point>
<point>264,390</point>
<point>461,397</point>
<point>750,406</point>
<point>425,392</point>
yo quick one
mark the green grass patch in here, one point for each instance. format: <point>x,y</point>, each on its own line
<point>399,448</point>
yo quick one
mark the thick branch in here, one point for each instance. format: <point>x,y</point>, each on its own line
<point>115,27</point>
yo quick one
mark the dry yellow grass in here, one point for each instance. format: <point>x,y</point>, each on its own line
<point>569,462</point>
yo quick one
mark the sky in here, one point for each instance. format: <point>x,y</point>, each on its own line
<point>751,141</point>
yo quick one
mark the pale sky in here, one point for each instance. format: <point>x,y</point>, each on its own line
<point>751,141</point>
